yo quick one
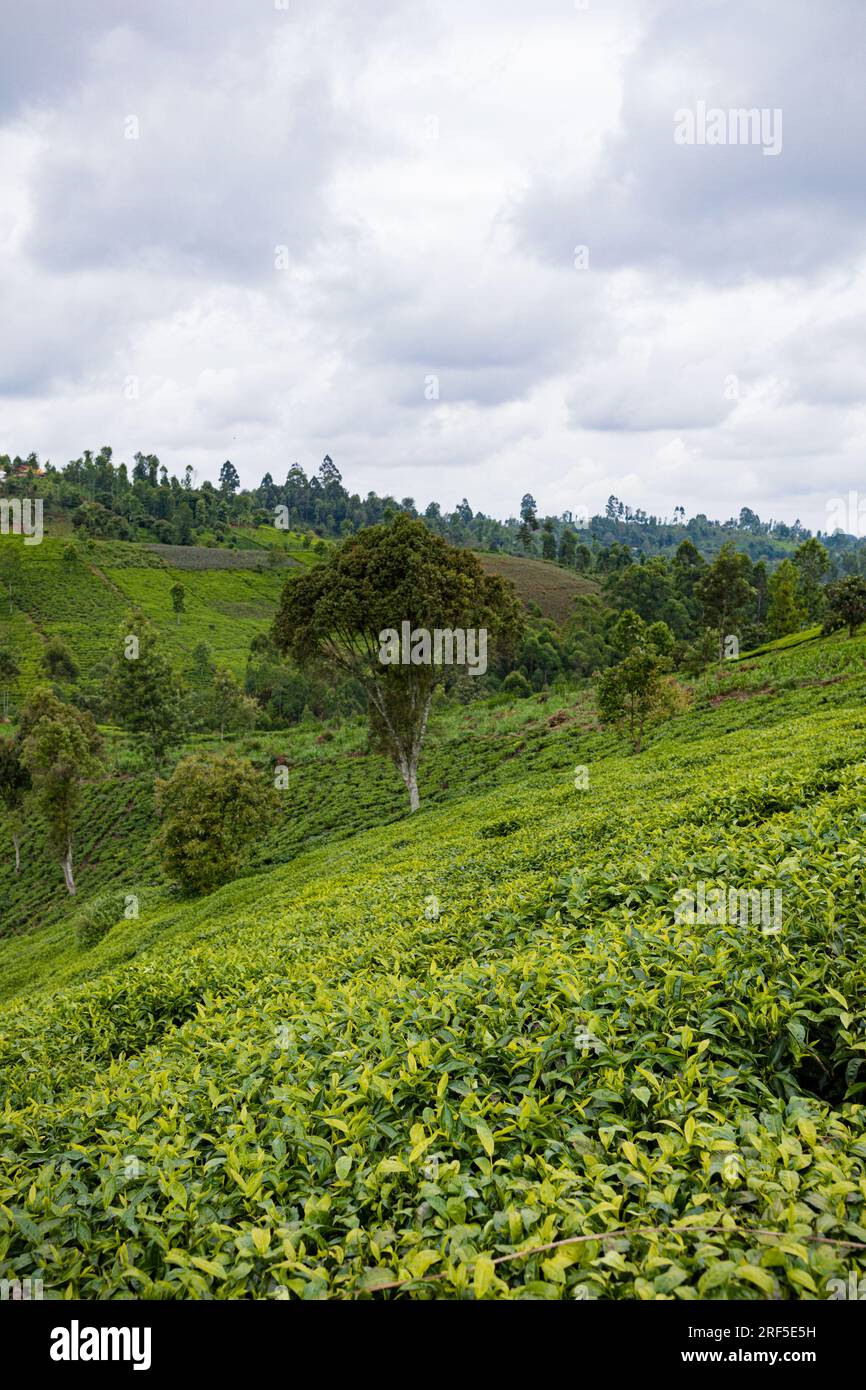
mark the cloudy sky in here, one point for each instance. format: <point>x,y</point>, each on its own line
<point>269,229</point>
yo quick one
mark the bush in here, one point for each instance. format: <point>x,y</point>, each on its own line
<point>212,807</point>
<point>516,685</point>
<point>96,918</point>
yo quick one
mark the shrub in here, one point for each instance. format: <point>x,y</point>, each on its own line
<point>516,685</point>
<point>97,917</point>
<point>212,807</point>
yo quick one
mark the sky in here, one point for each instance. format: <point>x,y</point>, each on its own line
<point>467,248</point>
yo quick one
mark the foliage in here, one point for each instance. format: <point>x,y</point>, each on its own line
<point>516,684</point>
<point>146,695</point>
<point>786,612</point>
<point>60,747</point>
<point>846,604</point>
<point>373,584</point>
<point>724,591</point>
<point>211,807</point>
<point>631,692</point>
<point>304,1087</point>
<point>15,783</point>
<point>96,918</point>
<point>59,661</point>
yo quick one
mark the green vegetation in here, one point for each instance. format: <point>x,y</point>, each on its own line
<point>309,1083</point>
<point>59,748</point>
<point>387,1056</point>
<point>95,919</point>
<point>390,584</point>
<point>211,807</point>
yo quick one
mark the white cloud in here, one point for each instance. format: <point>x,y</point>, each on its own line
<point>430,170</point>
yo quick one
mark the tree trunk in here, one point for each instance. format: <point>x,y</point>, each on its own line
<point>409,773</point>
<point>67,868</point>
<point>16,840</point>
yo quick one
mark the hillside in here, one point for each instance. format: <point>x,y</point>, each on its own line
<point>550,586</point>
<point>230,596</point>
<point>420,1049</point>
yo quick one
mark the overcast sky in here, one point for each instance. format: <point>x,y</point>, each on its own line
<point>232,229</point>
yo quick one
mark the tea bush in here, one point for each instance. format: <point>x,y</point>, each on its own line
<point>97,917</point>
<point>408,1060</point>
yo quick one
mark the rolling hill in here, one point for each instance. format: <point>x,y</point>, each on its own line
<point>552,588</point>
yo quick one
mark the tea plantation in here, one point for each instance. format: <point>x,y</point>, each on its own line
<point>473,1053</point>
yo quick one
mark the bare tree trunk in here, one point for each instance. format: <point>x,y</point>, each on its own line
<point>16,840</point>
<point>67,868</point>
<point>409,773</point>
<point>407,751</point>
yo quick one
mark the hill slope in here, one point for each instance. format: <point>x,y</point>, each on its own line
<point>554,589</point>
<point>427,1050</point>
<point>230,596</point>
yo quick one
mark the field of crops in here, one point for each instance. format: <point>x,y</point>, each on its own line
<point>411,1059</point>
<point>230,596</point>
<point>552,588</point>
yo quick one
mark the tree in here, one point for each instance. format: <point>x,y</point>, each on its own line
<point>230,708</point>
<point>761,585</point>
<point>724,591</point>
<point>58,660</point>
<point>660,639</point>
<point>178,595</point>
<point>145,695</point>
<point>583,559</point>
<point>9,672</point>
<point>15,783</point>
<point>183,524</point>
<point>60,748</point>
<point>785,613</point>
<point>812,563</point>
<point>211,808</point>
<point>229,479</point>
<point>548,540</point>
<point>628,631</point>
<point>567,548</point>
<point>394,578</point>
<point>688,568</point>
<point>528,520</point>
<point>517,685</point>
<point>330,477</point>
<point>200,672</point>
<point>846,604</point>
<point>631,692</point>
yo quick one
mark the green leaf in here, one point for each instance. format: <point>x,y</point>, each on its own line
<point>756,1275</point>
<point>484,1274</point>
<point>486,1138</point>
